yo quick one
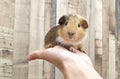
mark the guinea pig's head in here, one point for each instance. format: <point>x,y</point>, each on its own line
<point>73,28</point>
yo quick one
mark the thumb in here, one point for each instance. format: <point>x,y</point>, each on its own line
<point>35,55</point>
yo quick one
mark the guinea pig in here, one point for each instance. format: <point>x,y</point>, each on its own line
<point>70,32</point>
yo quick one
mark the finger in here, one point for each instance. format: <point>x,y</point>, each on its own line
<point>50,54</point>
<point>35,55</point>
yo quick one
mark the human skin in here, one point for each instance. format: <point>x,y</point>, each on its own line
<point>75,65</point>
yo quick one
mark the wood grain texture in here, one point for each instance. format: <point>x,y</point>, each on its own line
<point>6,52</point>
<point>36,37</point>
<point>6,38</point>
<point>112,25</point>
<point>7,13</point>
<point>98,35</point>
<point>105,40</point>
<point>117,36</point>
<point>91,32</point>
<point>112,56</point>
<point>21,39</point>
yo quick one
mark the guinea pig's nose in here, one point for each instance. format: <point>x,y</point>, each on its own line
<point>71,33</point>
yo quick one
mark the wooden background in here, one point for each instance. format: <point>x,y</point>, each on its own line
<point>24,23</point>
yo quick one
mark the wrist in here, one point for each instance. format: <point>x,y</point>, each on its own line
<point>72,71</point>
<point>79,71</point>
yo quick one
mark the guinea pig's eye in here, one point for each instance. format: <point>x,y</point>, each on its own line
<point>78,25</point>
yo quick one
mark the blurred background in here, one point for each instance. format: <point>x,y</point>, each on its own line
<point>24,23</point>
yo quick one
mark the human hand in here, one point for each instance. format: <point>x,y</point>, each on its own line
<point>75,65</point>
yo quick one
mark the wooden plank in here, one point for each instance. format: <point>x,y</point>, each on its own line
<point>72,6</point>
<point>48,68</point>
<point>111,56</point>
<point>98,35</point>
<point>117,36</point>
<point>7,10</point>
<point>82,7</point>
<point>54,12</point>
<point>6,64</point>
<point>96,8</point>
<point>47,16</point>
<point>36,37</point>
<point>91,34</point>
<point>6,38</point>
<point>112,22</point>
<point>21,39</point>
<point>6,52</point>
<point>105,39</point>
<point>112,39</point>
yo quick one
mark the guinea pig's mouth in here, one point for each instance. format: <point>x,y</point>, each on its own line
<point>71,38</point>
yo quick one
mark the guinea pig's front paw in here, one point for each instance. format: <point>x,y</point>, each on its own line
<point>74,50</point>
<point>82,50</point>
<point>48,45</point>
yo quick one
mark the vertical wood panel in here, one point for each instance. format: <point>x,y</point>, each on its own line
<point>117,36</point>
<point>6,38</point>
<point>36,37</point>
<point>7,13</point>
<point>72,6</point>
<point>47,15</point>
<point>82,7</point>
<point>54,12</point>
<point>98,35</point>
<point>21,39</point>
<point>112,56</point>
<point>6,52</point>
<point>105,39</point>
<point>112,50</point>
<point>91,35</point>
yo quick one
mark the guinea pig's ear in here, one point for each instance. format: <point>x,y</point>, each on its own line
<point>63,20</point>
<point>84,24</point>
